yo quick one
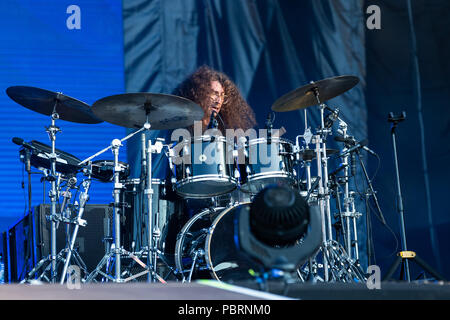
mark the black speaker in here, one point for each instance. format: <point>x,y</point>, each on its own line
<point>28,244</point>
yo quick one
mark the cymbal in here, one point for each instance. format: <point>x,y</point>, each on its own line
<point>164,111</point>
<point>310,154</point>
<point>304,97</point>
<point>43,101</point>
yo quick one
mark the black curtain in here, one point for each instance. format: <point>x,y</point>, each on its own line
<point>422,139</point>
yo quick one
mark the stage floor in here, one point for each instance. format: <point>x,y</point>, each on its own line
<point>214,290</point>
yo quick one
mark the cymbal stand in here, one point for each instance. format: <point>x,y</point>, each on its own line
<point>336,260</point>
<point>117,251</point>
<point>153,231</point>
<point>322,172</point>
<point>347,200</point>
<point>52,130</point>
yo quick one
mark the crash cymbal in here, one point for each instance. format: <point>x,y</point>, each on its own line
<point>164,111</point>
<point>304,97</point>
<point>310,154</point>
<point>43,101</point>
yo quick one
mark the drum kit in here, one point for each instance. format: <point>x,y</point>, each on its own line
<point>202,243</point>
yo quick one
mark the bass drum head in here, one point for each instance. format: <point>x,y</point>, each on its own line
<point>210,238</point>
<point>190,245</point>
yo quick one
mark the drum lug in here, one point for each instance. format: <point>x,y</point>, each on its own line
<point>210,230</point>
<point>248,170</point>
<point>237,175</point>
<point>185,150</point>
<point>282,166</point>
<point>294,172</point>
<point>188,171</point>
<point>221,169</point>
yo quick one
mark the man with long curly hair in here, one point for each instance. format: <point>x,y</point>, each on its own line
<point>215,92</point>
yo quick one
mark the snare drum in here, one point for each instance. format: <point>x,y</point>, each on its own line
<point>209,239</point>
<point>204,167</point>
<point>267,163</point>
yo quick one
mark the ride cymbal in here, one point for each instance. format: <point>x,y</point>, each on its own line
<point>304,97</point>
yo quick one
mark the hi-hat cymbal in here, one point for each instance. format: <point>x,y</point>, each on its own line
<point>164,111</point>
<point>43,101</point>
<point>304,97</point>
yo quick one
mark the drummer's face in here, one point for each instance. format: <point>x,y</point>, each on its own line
<point>217,97</point>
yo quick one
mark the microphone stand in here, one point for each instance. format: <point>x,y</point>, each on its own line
<point>404,255</point>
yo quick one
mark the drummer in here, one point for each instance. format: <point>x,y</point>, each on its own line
<point>215,91</point>
<point>212,91</point>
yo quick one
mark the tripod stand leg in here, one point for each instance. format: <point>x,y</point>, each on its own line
<point>427,268</point>
<point>392,269</point>
<point>97,270</point>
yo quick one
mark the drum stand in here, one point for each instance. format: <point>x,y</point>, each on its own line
<point>117,251</point>
<point>84,197</point>
<point>349,215</point>
<point>335,259</point>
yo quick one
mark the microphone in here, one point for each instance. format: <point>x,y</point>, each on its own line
<point>21,142</point>
<point>339,169</point>
<point>213,121</point>
<point>351,141</point>
<point>348,140</point>
<point>331,118</point>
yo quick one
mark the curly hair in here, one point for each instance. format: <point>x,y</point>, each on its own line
<point>235,112</point>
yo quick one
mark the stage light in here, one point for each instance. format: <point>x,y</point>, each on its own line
<point>279,230</point>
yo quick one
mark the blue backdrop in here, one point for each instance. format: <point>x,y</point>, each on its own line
<point>77,51</point>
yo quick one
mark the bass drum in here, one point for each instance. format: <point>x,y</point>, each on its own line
<point>206,247</point>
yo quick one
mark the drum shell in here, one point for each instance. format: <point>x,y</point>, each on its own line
<point>204,167</point>
<point>135,223</point>
<point>267,162</point>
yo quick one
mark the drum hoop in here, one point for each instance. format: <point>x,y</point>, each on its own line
<point>208,258</point>
<point>181,234</point>
<point>203,138</point>
<point>109,163</point>
<point>156,181</point>
<point>270,174</point>
<point>275,139</point>
<point>233,183</point>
